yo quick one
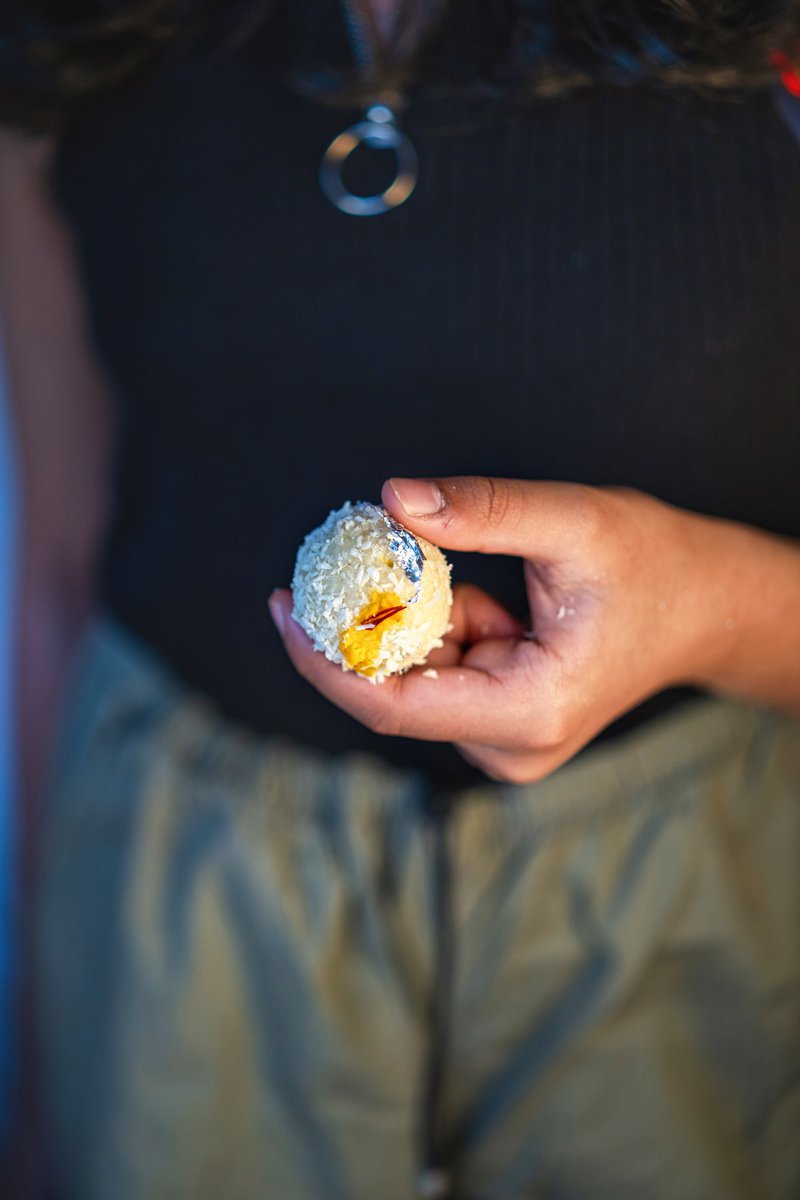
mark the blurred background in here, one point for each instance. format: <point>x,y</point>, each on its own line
<point>7,531</point>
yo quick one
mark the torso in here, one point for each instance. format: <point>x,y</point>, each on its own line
<point>604,288</point>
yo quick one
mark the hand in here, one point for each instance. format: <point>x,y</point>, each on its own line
<point>627,596</point>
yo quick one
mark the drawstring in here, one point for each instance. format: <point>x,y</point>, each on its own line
<point>434,1179</point>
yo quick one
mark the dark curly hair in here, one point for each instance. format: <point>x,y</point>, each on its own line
<point>57,56</point>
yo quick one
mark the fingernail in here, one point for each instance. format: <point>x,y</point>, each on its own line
<point>419,497</point>
<point>278,615</point>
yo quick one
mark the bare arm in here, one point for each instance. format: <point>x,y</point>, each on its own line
<point>61,419</point>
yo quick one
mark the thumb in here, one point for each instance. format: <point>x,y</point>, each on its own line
<point>497,516</point>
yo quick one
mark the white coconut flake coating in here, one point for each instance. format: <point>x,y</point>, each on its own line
<point>346,580</point>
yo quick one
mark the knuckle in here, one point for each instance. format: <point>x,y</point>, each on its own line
<point>497,502</point>
<point>493,770</point>
<point>552,730</point>
<point>625,493</point>
<point>517,772</point>
<point>384,714</point>
<point>380,721</point>
<point>502,766</point>
<point>592,515</point>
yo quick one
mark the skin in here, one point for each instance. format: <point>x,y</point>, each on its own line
<point>627,596</point>
<point>628,556</point>
<point>62,423</point>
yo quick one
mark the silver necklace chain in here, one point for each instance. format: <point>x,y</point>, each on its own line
<point>378,130</point>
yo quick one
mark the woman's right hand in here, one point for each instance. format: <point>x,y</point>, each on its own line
<point>627,596</point>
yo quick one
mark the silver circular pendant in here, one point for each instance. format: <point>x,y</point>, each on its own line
<point>378,131</point>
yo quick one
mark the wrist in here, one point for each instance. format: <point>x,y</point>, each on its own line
<point>739,609</point>
<point>713,596</point>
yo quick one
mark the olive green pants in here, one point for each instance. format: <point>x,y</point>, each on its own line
<point>242,949</point>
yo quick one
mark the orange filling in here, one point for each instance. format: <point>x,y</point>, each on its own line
<point>360,644</point>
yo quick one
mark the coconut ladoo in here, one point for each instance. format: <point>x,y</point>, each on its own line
<point>371,596</point>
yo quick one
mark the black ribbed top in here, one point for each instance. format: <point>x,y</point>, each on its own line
<point>601,288</point>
